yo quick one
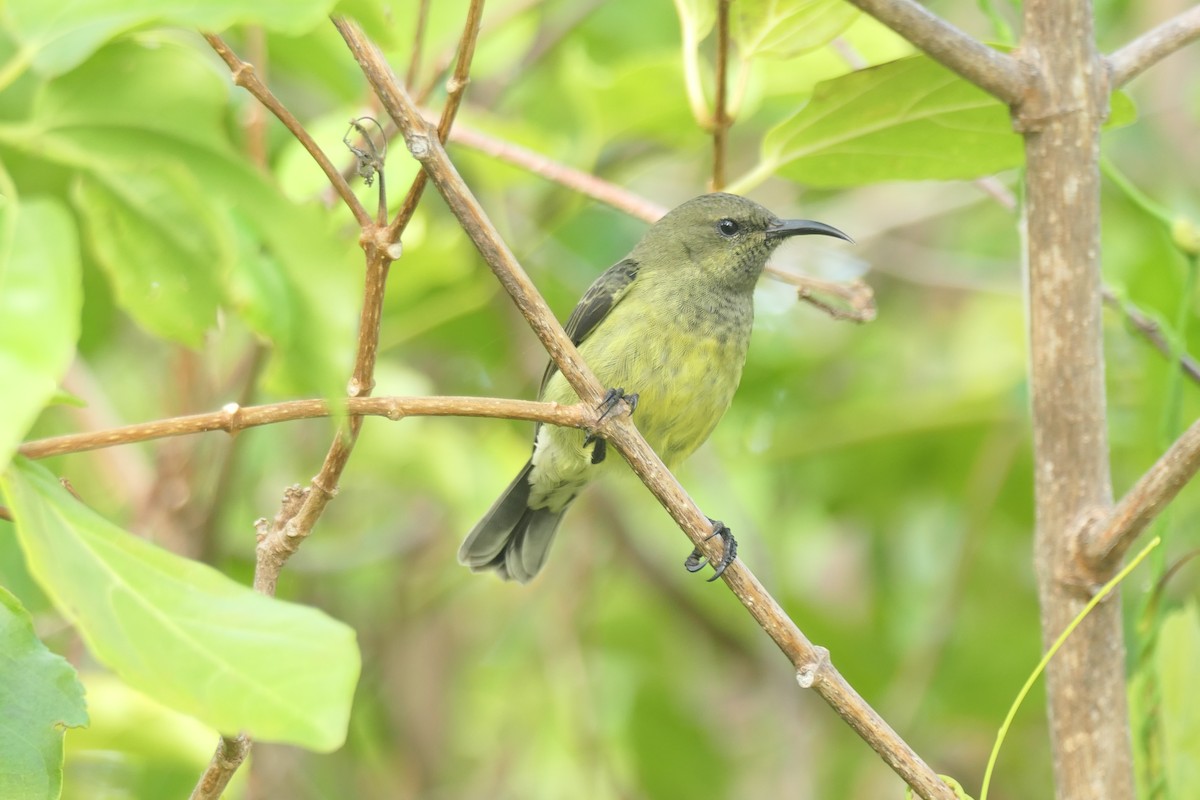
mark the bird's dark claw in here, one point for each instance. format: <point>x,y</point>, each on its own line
<point>609,403</point>
<point>695,562</point>
<point>606,407</point>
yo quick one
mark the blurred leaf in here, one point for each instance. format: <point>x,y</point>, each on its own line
<point>696,17</point>
<point>665,736</point>
<point>182,632</point>
<point>129,122</point>
<point>787,28</point>
<point>164,249</point>
<point>40,299</point>
<point>40,696</point>
<point>1176,658</point>
<point>56,37</point>
<point>910,119</point>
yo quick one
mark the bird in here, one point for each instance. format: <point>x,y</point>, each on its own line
<point>671,323</point>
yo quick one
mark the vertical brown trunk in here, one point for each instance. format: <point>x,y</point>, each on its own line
<point>1086,680</point>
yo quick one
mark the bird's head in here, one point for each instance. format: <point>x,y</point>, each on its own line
<point>726,237</point>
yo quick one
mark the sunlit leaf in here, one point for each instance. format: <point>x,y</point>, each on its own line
<point>59,36</point>
<point>696,17</point>
<point>786,28</point>
<point>911,119</point>
<point>182,632</point>
<point>40,298</point>
<point>40,696</point>
<point>163,107</point>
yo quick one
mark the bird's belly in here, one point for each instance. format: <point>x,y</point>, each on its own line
<point>684,383</point>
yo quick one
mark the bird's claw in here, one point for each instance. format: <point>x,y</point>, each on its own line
<point>696,561</point>
<point>606,407</point>
<point>609,403</point>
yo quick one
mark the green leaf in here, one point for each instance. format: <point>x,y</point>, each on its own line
<point>910,119</point>
<point>180,149</point>
<point>1176,658</point>
<point>696,18</point>
<point>40,302</point>
<point>57,37</point>
<point>182,632</point>
<point>788,28</point>
<point>163,248</point>
<point>40,696</point>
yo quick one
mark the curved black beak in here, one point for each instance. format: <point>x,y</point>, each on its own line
<point>803,227</point>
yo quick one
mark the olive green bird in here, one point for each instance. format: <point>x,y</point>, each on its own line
<point>671,321</point>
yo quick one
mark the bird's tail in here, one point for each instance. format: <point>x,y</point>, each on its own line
<point>512,538</point>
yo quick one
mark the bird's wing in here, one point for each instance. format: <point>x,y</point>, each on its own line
<point>600,298</point>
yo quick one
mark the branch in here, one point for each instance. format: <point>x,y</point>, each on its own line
<point>998,73</point>
<point>812,663</point>
<point>721,121</point>
<point>1153,46</point>
<point>1105,541</point>
<point>856,294</point>
<point>1150,330</point>
<point>456,86</point>
<point>244,75</point>
<point>234,418</point>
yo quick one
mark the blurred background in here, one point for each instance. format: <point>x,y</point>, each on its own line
<point>877,476</point>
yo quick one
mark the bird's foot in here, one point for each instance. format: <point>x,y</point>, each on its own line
<point>695,562</point>
<point>606,407</point>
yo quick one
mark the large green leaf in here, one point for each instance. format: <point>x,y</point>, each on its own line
<point>182,632</point>
<point>56,37</point>
<point>910,119</point>
<point>145,126</point>
<point>787,28</point>
<point>40,300</point>
<point>40,696</point>
<point>164,249</point>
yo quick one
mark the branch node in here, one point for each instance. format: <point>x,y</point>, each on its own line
<point>418,145</point>
<point>808,674</point>
<point>1079,571</point>
<point>233,422</point>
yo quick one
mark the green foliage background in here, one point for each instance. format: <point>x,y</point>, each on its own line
<point>878,476</point>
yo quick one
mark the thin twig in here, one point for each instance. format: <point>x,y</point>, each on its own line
<point>245,76</point>
<point>414,61</point>
<point>279,540</point>
<point>856,293</point>
<point>234,418</point>
<point>585,183</point>
<point>455,87</point>
<point>997,73</point>
<point>230,753</point>
<point>1150,330</point>
<point>1107,539</point>
<point>721,121</point>
<point>1153,46</point>
<point>812,664</point>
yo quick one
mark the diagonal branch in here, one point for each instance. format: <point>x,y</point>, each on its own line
<point>998,73</point>
<point>244,75</point>
<point>456,87</point>
<point>1107,539</point>
<point>813,668</point>
<point>1153,46</point>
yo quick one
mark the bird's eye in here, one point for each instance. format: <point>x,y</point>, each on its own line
<point>728,228</point>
